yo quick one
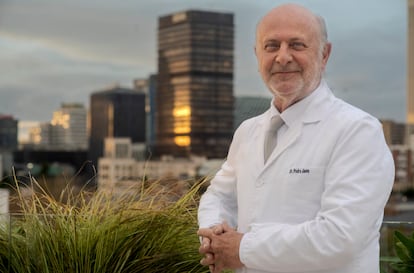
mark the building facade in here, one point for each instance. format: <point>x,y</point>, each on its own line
<point>149,87</point>
<point>8,133</point>
<point>39,136</point>
<point>69,127</point>
<point>8,142</point>
<point>67,130</point>
<point>115,112</point>
<point>403,160</point>
<point>395,133</point>
<point>194,97</point>
<point>410,64</point>
<point>118,166</point>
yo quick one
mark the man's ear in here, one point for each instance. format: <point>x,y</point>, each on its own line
<point>326,53</point>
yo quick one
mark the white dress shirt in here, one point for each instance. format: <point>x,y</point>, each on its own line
<point>317,204</point>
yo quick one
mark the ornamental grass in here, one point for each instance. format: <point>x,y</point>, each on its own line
<point>142,230</point>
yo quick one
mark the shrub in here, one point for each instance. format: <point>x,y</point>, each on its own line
<point>140,232</point>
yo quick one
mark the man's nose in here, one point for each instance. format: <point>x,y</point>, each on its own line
<point>283,55</point>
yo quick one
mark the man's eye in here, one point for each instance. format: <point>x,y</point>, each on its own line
<point>271,47</point>
<point>298,46</point>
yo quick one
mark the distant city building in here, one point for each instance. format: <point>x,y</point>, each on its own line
<point>24,128</point>
<point>67,130</point>
<point>394,132</point>
<point>69,127</point>
<point>195,84</point>
<point>115,112</point>
<point>8,133</point>
<point>117,162</point>
<point>39,136</point>
<point>410,64</point>
<point>152,128</point>
<point>247,107</point>
<point>118,165</point>
<point>8,141</point>
<point>403,160</point>
<point>149,87</point>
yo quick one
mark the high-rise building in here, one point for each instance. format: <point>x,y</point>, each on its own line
<point>410,64</point>
<point>115,112</point>
<point>69,127</point>
<point>195,84</point>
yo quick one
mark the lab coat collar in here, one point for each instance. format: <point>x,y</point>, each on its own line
<point>318,108</point>
<point>311,109</point>
<point>307,110</point>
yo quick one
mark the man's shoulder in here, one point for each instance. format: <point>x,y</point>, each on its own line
<point>347,114</point>
<point>351,111</point>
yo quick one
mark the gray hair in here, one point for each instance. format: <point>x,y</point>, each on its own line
<point>323,29</point>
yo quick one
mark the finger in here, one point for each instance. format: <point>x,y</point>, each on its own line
<point>205,245</point>
<point>211,268</point>
<point>205,232</point>
<point>217,230</point>
<point>208,259</point>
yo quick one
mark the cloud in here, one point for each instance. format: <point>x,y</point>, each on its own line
<point>53,51</point>
<point>36,78</point>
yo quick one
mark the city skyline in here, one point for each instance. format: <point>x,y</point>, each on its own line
<point>63,52</point>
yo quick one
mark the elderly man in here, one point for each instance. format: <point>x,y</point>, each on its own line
<point>314,202</point>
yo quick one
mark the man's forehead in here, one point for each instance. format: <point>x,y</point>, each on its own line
<point>288,15</point>
<point>291,28</point>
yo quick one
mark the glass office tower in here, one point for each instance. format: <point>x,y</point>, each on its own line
<point>195,84</point>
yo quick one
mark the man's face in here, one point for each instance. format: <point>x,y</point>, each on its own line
<point>290,54</point>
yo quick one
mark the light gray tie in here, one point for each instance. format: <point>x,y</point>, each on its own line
<point>271,136</point>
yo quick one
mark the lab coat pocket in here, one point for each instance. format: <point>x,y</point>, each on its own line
<point>304,188</point>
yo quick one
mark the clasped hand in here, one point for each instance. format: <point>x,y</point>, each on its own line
<point>220,246</point>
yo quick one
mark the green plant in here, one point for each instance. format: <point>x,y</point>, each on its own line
<point>404,249</point>
<point>141,232</point>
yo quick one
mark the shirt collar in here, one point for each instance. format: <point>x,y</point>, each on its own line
<point>296,111</point>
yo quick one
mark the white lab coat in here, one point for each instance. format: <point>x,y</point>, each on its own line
<point>317,204</point>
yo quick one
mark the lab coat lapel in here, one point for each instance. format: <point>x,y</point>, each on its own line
<point>315,112</point>
<point>258,137</point>
<point>291,136</point>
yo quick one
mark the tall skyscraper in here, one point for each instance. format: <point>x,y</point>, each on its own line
<point>115,112</point>
<point>410,64</point>
<point>195,84</point>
